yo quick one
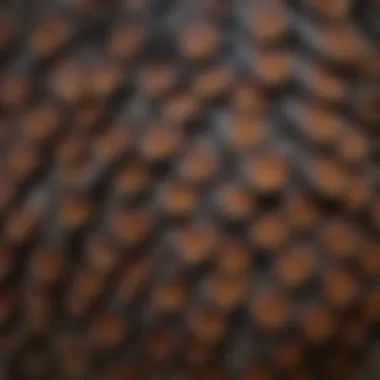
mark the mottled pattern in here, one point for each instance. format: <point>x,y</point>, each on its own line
<point>189,190</point>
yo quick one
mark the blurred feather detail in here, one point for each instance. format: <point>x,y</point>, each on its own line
<point>190,190</point>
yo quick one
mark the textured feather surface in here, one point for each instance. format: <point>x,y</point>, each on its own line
<point>190,189</point>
